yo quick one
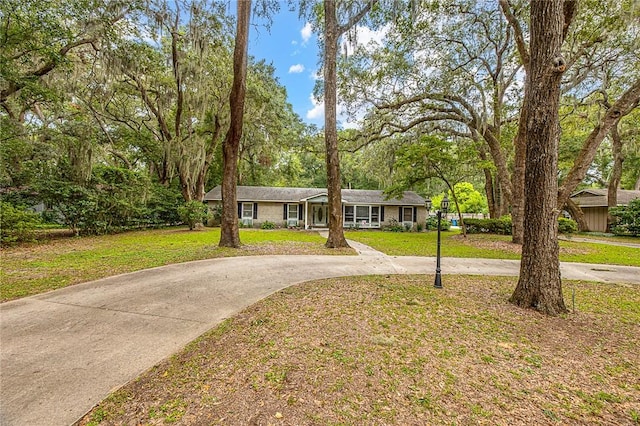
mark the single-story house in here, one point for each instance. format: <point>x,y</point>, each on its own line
<point>307,207</point>
<point>594,205</point>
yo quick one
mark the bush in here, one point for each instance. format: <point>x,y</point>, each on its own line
<point>567,226</point>
<point>17,224</point>
<point>627,219</point>
<point>163,203</point>
<point>503,225</point>
<point>432,224</point>
<point>500,226</point>
<point>113,200</point>
<point>268,225</point>
<point>192,213</point>
<point>393,226</point>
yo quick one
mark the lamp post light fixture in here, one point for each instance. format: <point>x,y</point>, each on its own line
<point>427,204</point>
<point>444,206</point>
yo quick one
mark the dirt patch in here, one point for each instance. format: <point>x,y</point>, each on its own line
<point>393,350</point>
<point>481,242</point>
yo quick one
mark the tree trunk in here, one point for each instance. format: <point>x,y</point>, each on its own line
<point>577,214</point>
<point>500,161</point>
<point>616,174</point>
<point>334,191</point>
<point>517,205</point>
<point>489,188</point>
<point>540,286</point>
<point>229,233</point>
<point>455,200</point>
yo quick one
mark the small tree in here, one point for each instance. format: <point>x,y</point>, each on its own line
<point>16,224</point>
<point>192,213</point>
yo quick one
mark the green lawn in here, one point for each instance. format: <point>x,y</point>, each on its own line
<point>488,246</point>
<point>36,268</point>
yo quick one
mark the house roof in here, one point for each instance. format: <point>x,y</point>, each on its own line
<point>296,195</point>
<point>598,197</point>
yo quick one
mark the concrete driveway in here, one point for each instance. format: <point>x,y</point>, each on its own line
<point>62,352</point>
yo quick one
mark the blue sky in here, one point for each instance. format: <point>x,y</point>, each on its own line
<point>292,47</point>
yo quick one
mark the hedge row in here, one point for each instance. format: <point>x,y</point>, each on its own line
<point>502,226</point>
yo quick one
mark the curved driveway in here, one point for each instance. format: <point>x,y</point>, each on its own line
<point>64,351</point>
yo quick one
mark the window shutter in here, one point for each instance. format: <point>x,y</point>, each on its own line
<point>255,210</point>
<point>300,211</point>
<point>239,209</point>
<point>284,211</point>
<point>400,217</point>
<point>415,214</point>
<point>381,213</point>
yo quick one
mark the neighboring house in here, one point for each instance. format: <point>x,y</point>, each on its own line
<point>593,203</point>
<point>307,207</point>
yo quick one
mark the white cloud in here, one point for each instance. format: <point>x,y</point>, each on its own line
<point>306,32</point>
<point>295,69</point>
<point>365,36</point>
<point>317,112</point>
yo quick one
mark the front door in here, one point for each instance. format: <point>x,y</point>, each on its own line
<point>319,215</point>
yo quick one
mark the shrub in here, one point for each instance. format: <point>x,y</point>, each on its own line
<point>503,225</point>
<point>567,226</point>
<point>500,226</point>
<point>163,205</point>
<point>193,212</point>
<point>393,226</point>
<point>432,224</point>
<point>627,219</point>
<point>17,224</point>
<point>268,225</point>
<point>113,200</point>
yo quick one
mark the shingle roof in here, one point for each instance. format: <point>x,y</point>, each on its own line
<point>598,197</point>
<point>294,195</point>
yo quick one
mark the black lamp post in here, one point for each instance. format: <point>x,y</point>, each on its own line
<point>444,206</point>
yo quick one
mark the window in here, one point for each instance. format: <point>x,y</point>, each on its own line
<point>367,216</point>
<point>247,210</point>
<point>348,214</point>
<point>292,213</point>
<point>407,214</point>
<point>362,214</point>
<point>375,214</point>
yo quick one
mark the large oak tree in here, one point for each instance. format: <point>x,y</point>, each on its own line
<point>229,234</point>
<point>540,285</point>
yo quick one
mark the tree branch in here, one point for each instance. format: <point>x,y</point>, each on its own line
<point>517,29</point>
<point>623,106</point>
<point>356,18</point>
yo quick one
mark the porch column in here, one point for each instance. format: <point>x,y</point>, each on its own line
<point>306,213</point>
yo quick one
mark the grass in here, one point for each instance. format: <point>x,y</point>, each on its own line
<point>488,246</point>
<point>392,350</point>
<point>36,268</point>
<point>605,237</point>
